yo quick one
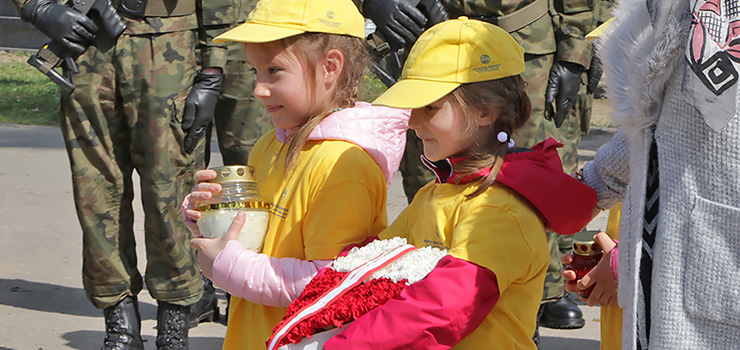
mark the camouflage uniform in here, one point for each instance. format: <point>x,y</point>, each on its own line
<point>240,117</point>
<point>125,115</point>
<point>578,20</point>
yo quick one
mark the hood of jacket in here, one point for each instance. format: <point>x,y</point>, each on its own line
<point>379,130</point>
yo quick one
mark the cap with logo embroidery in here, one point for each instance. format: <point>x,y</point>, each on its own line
<point>450,54</point>
<point>273,20</point>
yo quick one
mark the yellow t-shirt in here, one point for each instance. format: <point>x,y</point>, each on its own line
<point>334,196</point>
<point>498,230</point>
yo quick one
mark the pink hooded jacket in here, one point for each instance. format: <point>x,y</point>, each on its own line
<point>381,132</point>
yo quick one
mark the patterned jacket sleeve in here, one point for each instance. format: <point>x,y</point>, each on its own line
<point>434,313</point>
<point>572,20</point>
<point>214,18</point>
<point>608,174</point>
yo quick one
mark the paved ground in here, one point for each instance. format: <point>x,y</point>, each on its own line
<point>42,304</point>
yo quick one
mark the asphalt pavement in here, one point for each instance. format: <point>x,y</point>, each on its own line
<point>42,303</point>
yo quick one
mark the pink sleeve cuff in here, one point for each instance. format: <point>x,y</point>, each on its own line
<point>614,263</point>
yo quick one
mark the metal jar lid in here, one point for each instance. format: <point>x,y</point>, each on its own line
<point>583,243</point>
<point>232,173</point>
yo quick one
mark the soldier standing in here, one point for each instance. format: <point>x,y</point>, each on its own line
<point>556,57</point>
<point>240,117</point>
<point>140,105</point>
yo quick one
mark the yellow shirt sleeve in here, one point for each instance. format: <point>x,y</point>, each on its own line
<point>503,239</point>
<point>348,207</point>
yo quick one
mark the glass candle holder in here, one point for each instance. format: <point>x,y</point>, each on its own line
<point>238,193</point>
<point>586,254</point>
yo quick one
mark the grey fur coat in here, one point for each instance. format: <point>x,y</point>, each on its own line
<point>664,86</point>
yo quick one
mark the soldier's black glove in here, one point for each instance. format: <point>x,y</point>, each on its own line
<point>562,90</point>
<point>200,107</point>
<point>73,30</point>
<point>397,21</point>
<point>594,73</point>
<point>434,11</point>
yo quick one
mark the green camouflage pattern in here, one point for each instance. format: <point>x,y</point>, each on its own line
<point>125,115</point>
<point>537,38</point>
<point>414,173</point>
<point>240,117</point>
<point>574,19</point>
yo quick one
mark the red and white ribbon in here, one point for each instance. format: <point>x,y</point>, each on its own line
<point>349,281</point>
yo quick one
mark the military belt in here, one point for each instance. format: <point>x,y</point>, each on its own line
<point>519,18</point>
<point>156,8</point>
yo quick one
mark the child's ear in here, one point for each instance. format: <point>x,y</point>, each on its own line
<point>333,65</point>
<point>486,118</point>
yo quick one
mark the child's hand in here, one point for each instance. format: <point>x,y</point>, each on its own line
<point>605,288</point>
<point>202,191</point>
<point>209,248</point>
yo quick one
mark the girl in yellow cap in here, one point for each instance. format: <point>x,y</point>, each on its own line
<point>324,170</point>
<point>489,206</point>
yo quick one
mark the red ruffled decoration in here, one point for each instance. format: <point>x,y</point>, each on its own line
<point>350,306</point>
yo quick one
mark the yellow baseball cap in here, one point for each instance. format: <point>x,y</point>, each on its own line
<point>450,54</point>
<point>600,30</point>
<point>273,20</point>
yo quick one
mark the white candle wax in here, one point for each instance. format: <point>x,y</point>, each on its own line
<point>215,223</point>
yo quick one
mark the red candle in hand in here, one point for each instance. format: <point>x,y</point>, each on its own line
<point>586,254</point>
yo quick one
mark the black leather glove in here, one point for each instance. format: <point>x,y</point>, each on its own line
<point>562,90</point>
<point>397,21</point>
<point>200,107</point>
<point>594,73</point>
<point>434,11</point>
<point>73,30</point>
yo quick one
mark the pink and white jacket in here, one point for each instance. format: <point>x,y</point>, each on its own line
<point>261,279</point>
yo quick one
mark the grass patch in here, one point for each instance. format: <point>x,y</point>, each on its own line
<point>27,96</point>
<point>372,87</point>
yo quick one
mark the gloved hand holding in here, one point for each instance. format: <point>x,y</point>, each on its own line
<point>397,21</point>
<point>562,90</point>
<point>200,107</point>
<point>594,73</point>
<point>73,30</point>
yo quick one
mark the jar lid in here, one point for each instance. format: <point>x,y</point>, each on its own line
<point>231,173</point>
<point>583,243</point>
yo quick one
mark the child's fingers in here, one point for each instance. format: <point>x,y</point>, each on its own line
<point>193,214</point>
<point>570,286</point>
<point>566,259</point>
<point>207,187</point>
<point>193,227</point>
<point>595,296</point>
<point>205,175</point>
<point>586,281</point>
<point>236,226</point>
<point>569,275</point>
<point>604,241</point>
<point>198,243</point>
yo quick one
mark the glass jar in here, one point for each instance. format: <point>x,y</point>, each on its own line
<point>586,254</point>
<point>238,193</point>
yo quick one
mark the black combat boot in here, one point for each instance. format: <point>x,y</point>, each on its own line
<point>173,323</point>
<point>562,314</point>
<point>123,326</point>
<point>206,309</point>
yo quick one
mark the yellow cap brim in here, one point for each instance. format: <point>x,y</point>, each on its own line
<point>253,32</point>
<point>414,93</point>
<point>600,30</point>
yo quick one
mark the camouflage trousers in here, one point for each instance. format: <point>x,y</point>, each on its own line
<point>572,131</point>
<point>240,117</point>
<point>125,115</point>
